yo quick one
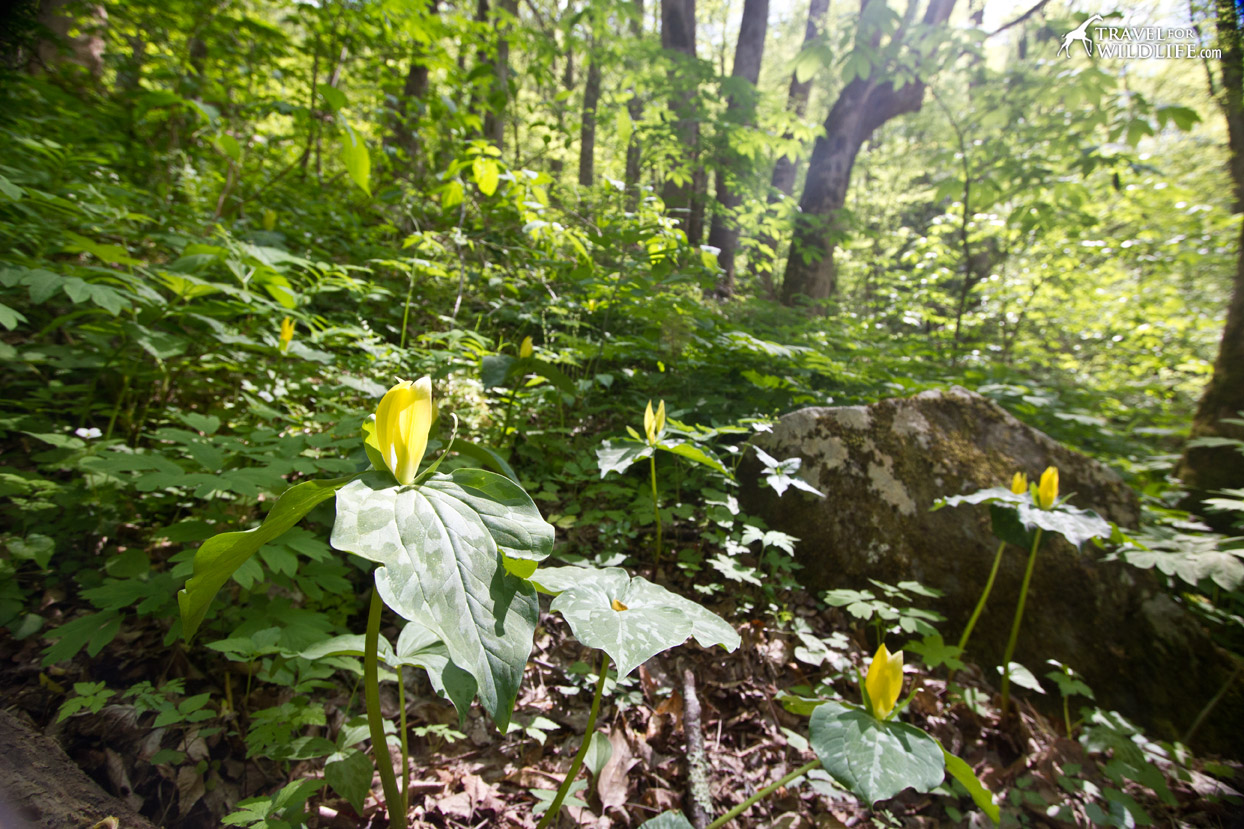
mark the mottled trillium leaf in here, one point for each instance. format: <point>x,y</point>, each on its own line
<point>654,620</point>
<point>448,551</point>
<point>618,455</point>
<point>873,759</point>
<point>1074,524</point>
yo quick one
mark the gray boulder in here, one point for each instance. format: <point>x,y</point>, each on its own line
<point>883,466</point>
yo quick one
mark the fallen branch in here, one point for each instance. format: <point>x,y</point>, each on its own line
<point>699,799</point>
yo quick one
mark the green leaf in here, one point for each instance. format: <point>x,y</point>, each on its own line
<point>354,155</point>
<point>935,651</point>
<point>487,174</point>
<point>599,750</point>
<point>654,619</point>
<point>10,318</point>
<point>876,760</point>
<point>494,370</point>
<point>486,456</point>
<point>349,775</point>
<point>617,456</point>
<point>92,631</point>
<point>219,556</point>
<point>1074,524</point>
<point>694,453</point>
<point>667,820</point>
<point>961,771</point>
<point>10,190</point>
<point>1024,678</point>
<point>445,550</point>
<point>333,97</point>
<point>1005,524</point>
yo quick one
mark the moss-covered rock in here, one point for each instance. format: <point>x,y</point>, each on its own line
<point>883,466</point>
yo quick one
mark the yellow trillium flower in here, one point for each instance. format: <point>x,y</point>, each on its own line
<point>524,350</point>
<point>287,333</point>
<point>269,219</point>
<point>1047,490</point>
<point>654,423</point>
<point>1019,484</point>
<point>884,681</point>
<point>403,420</point>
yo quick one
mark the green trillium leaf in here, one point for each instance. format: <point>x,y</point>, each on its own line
<point>446,550</point>
<point>221,555</point>
<point>993,495</point>
<point>494,370</point>
<point>876,760</point>
<point>618,455</point>
<point>692,452</point>
<point>961,771</point>
<point>1074,524</point>
<point>652,619</point>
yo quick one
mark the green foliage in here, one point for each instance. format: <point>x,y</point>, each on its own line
<point>873,758</point>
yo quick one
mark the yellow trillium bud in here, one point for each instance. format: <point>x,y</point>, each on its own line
<point>1019,484</point>
<point>524,350</point>
<point>884,681</point>
<point>660,422</point>
<point>287,333</point>
<point>654,423</point>
<point>403,420</point>
<point>1047,490</point>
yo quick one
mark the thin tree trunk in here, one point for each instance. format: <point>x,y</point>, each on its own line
<point>862,106</point>
<point>678,38</point>
<point>587,130</point>
<point>635,110</point>
<point>786,167</point>
<point>557,164</point>
<point>494,114</point>
<point>740,112</point>
<point>414,89</point>
<point>1204,469</point>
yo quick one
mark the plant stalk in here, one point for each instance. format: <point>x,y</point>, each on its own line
<point>763,793</point>
<point>1019,615</point>
<point>577,763</point>
<point>1209,706</point>
<point>375,722</point>
<point>980,604</point>
<point>656,505</point>
<point>401,701</point>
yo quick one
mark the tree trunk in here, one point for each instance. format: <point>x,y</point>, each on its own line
<point>678,38</point>
<point>786,167</point>
<point>862,106</point>
<point>1204,470</point>
<point>494,113</point>
<point>740,112</point>
<point>587,130</point>
<point>557,164</point>
<point>635,110</point>
<point>414,89</point>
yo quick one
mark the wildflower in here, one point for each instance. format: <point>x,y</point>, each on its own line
<point>287,333</point>
<point>653,424</point>
<point>524,350</point>
<point>1019,484</point>
<point>403,420</point>
<point>884,681</point>
<point>1047,490</point>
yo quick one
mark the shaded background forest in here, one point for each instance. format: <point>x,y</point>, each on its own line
<point>741,209</point>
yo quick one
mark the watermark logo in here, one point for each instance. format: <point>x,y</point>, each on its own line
<point>1137,42</point>
<point>1080,33</point>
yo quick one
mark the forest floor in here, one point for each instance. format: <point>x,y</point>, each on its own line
<point>477,777</point>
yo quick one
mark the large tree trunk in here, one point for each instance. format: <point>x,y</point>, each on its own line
<point>862,106</point>
<point>740,112</point>
<point>786,167</point>
<point>678,38</point>
<point>1207,469</point>
<point>587,127</point>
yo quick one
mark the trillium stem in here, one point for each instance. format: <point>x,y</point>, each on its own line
<point>375,721</point>
<point>1019,617</point>
<point>577,763</point>
<point>410,292</point>
<point>401,704</point>
<point>763,793</point>
<point>980,604</point>
<point>656,505</point>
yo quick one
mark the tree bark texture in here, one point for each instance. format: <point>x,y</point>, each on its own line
<point>740,112</point>
<point>862,106</point>
<point>410,102</point>
<point>634,109</point>
<point>1207,469</point>
<point>587,127</point>
<point>494,113</point>
<point>678,38</point>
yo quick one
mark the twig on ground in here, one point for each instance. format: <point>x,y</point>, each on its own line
<point>699,799</point>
